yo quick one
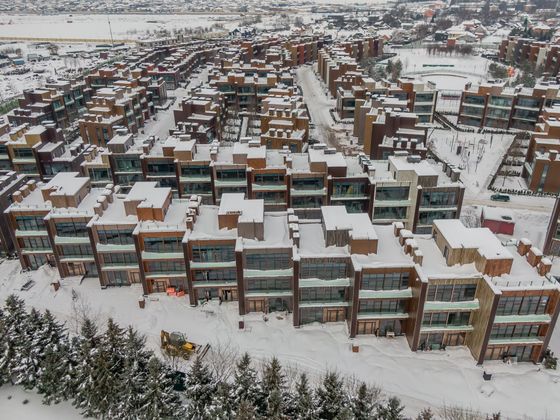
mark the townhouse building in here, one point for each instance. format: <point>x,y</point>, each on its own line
<point>541,164</point>
<point>540,54</point>
<point>495,106</point>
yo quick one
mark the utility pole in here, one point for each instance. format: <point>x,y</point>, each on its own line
<point>111,32</point>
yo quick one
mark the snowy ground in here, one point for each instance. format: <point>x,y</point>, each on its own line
<point>420,379</point>
<point>124,27</point>
<point>13,407</point>
<point>480,155</point>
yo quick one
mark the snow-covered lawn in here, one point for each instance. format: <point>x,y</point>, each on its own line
<point>12,406</point>
<point>419,379</point>
<point>479,157</point>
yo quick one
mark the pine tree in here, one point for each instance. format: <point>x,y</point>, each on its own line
<point>159,400</point>
<point>201,387</point>
<point>134,374</point>
<point>221,406</point>
<point>87,349</point>
<point>301,402</point>
<point>32,347</point>
<point>330,397</point>
<point>12,331</point>
<point>54,379</point>
<point>392,411</point>
<point>275,397</point>
<point>110,366</point>
<point>363,403</point>
<point>246,411</point>
<point>246,383</point>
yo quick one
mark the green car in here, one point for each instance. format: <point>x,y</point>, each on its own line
<point>499,197</point>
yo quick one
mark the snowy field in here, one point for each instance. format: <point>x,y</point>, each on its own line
<point>124,27</point>
<point>479,156</point>
<point>417,61</point>
<point>12,406</point>
<point>419,379</point>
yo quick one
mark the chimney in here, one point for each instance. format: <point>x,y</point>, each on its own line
<point>190,223</point>
<point>397,227</point>
<point>17,197</point>
<point>534,256</point>
<point>552,154</point>
<point>523,246</point>
<point>417,257</point>
<point>32,184</point>
<point>103,201</point>
<point>25,190</point>
<point>544,267</point>
<point>109,194</point>
<point>98,209</point>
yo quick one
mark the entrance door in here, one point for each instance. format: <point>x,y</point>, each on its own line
<point>257,305</point>
<point>76,269</point>
<point>159,286</point>
<point>368,327</point>
<point>456,339</point>
<point>134,277</point>
<point>334,315</point>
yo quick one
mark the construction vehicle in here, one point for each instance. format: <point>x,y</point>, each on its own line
<point>176,344</point>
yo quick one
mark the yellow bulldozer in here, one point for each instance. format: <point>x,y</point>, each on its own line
<point>176,344</point>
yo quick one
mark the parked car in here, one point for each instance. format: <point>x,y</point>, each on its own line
<point>499,197</point>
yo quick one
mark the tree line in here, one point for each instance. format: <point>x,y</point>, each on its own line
<point>112,375</point>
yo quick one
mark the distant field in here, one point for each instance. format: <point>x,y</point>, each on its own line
<point>97,27</point>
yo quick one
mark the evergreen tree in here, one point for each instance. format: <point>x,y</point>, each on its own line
<point>246,383</point>
<point>12,330</point>
<point>201,387</point>
<point>221,406</point>
<point>301,402</point>
<point>274,390</point>
<point>134,374</point>
<point>363,403</point>
<point>54,378</point>
<point>85,378</point>
<point>392,411</point>
<point>330,397</point>
<point>245,411</point>
<point>110,368</point>
<point>31,351</point>
<point>159,400</point>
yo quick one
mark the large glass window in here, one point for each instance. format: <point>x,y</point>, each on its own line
<point>446,318</point>
<point>163,244</point>
<point>30,222</point>
<point>272,261</point>
<point>383,306</point>
<point>169,266</point>
<point>231,174</point>
<point>517,330</point>
<point>215,275</point>
<point>385,281</point>
<point>386,193</point>
<point>522,305</point>
<point>471,99</point>
<point>72,228</point>
<point>308,183</point>
<point>322,294</point>
<point>120,258</point>
<point>349,189</point>
<point>127,163</point>
<point>187,171</point>
<point>213,253</point>
<point>40,243</point>
<point>275,179</point>
<point>325,270</point>
<point>451,292</point>
<point>115,237</point>
<point>382,213</point>
<point>268,284</point>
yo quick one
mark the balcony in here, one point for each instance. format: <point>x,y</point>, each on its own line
<point>252,274</point>
<point>469,305</point>
<point>199,265</point>
<point>150,256</point>
<point>309,192</point>
<point>382,315</point>
<point>517,341</point>
<point>268,293</point>
<point>522,319</point>
<point>446,328</point>
<point>385,294</point>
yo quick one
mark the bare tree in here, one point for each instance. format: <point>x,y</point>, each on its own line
<point>221,359</point>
